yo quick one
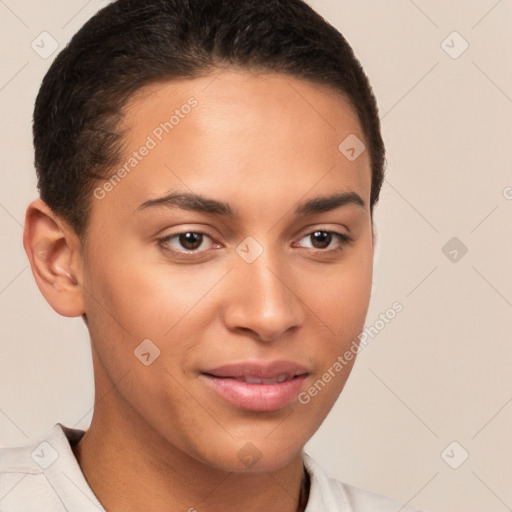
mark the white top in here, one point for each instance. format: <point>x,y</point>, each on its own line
<point>46,477</point>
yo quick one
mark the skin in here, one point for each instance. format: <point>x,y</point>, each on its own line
<point>160,438</point>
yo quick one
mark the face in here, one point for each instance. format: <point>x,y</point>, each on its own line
<point>230,265</point>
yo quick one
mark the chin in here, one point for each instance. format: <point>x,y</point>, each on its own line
<point>256,455</point>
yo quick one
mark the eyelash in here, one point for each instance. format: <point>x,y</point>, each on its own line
<point>343,239</point>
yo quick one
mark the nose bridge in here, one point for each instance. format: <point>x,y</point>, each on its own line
<point>264,301</point>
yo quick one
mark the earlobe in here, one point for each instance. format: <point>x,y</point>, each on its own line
<point>53,250</point>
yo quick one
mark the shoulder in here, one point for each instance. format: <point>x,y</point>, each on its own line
<point>331,495</point>
<point>33,477</point>
<point>23,485</point>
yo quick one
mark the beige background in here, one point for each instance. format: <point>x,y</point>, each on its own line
<point>440,371</point>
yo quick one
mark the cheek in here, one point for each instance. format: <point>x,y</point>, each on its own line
<point>133,300</point>
<point>349,303</point>
<point>341,305</point>
<point>342,302</point>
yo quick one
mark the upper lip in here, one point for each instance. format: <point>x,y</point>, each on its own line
<point>257,370</point>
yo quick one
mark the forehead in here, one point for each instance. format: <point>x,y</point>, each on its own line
<point>239,134</point>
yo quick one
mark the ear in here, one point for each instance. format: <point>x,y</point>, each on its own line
<point>54,252</point>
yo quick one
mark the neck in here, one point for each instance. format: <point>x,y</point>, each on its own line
<point>130,467</point>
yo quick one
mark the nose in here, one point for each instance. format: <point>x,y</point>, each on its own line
<point>263,302</point>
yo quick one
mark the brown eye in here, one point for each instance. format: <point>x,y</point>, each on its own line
<point>325,241</point>
<point>190,240</point>
<point>321,239</point>
<point>193,242</point>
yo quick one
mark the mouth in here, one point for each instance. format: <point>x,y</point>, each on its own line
<point>254,386</point>
<point>278,379</point>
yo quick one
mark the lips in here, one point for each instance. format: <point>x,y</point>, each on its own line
<point>257,370</point>
<point>257,386</point>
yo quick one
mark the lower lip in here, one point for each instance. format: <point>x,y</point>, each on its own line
<point>256,397</point>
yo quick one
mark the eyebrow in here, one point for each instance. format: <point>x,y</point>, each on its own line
<point>198,203</point>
